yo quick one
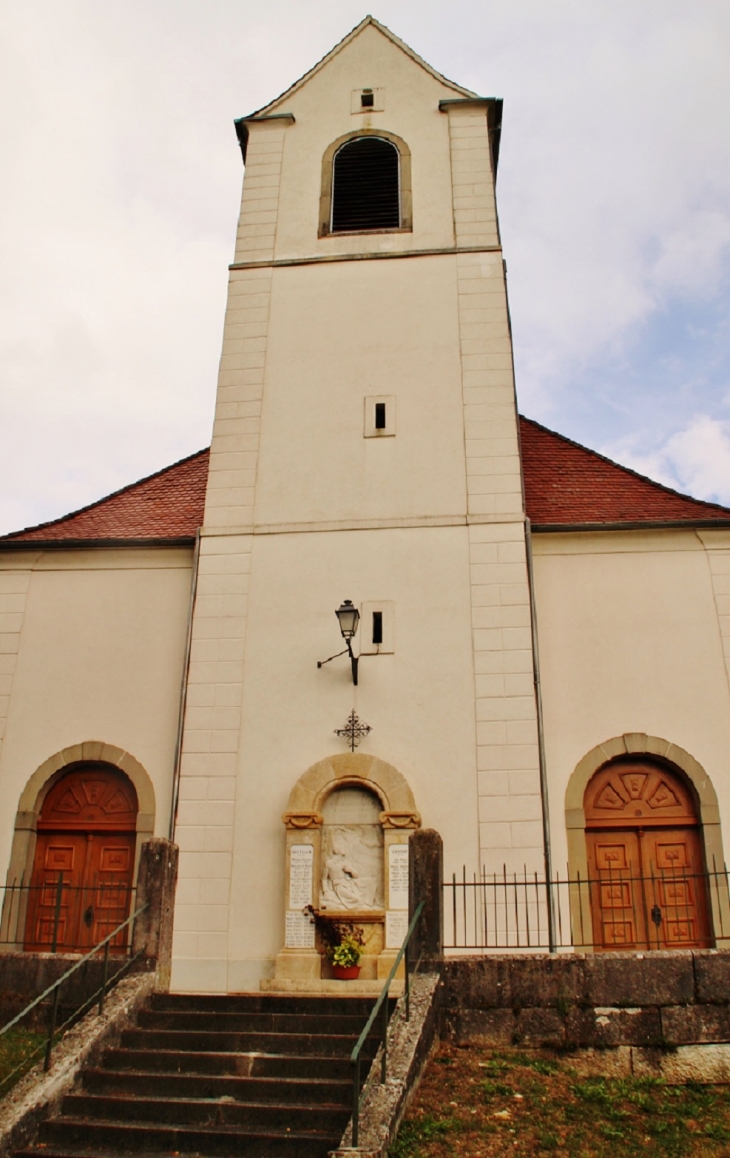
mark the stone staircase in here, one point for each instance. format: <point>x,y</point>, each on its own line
<point>253,1075</point>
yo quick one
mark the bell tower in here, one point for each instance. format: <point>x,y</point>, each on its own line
<point>365,447</point>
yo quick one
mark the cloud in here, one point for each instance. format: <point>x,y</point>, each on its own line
<point>122,178</point>
<point>695,460</point>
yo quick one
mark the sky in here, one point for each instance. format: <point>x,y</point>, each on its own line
<point>121,180</point>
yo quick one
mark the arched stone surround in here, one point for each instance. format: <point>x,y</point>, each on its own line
<point>641,744</point>
<point>49,772</point>
<point>304,820</point>
<point>312,789</point>
<point>406,196</point>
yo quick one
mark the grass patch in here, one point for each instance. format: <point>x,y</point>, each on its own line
<point>16,1048</point>
<point>480,1103</point>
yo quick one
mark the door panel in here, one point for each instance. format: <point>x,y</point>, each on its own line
<point>617,905</point>
<point>678,903</point>
<point>110,870</point>
<point>55,855</point>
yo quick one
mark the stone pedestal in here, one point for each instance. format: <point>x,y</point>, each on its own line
<point>293,964</point>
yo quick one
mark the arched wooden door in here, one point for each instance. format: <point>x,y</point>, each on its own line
<point>645,859</point>
<point>86,840</point>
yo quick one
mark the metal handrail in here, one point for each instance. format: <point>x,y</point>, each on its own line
<point>381,1003</point>
<point>56,986</point>
<point>24,907</point>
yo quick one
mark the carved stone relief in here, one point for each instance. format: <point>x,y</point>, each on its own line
<point>352,852</point>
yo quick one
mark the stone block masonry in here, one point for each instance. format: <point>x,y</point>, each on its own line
<point>204,829</point>
<point>663,1012</point>
<point>213,715</point>
<point>508,776</point>
<point>510,816</point>
<point>14,585</point>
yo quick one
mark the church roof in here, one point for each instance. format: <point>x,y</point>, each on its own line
<point>167,505</point>
<point>567,487</point>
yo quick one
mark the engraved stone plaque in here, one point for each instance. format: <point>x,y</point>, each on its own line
<point>398,876</point>
<point>299,930</point>
<point>396,927</point>
<point>301,865</point>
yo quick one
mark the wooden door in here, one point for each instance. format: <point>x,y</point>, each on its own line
<point>648,886</point>
<point>84,861</point>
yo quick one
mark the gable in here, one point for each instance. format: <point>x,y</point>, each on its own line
<point>369,24</point>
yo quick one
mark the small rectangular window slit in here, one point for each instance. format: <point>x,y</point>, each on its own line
<point>377,627</point>
<point>379,416</point>
<point>367,99</point>
<point>378,634</point>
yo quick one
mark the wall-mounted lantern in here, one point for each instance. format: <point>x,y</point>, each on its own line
<point>348,618</point>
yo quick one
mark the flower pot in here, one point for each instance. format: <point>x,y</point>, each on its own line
<point>346,972</point>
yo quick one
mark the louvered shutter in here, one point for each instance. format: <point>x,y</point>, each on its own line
<point>365,193</point>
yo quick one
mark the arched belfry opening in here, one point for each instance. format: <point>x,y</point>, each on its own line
<point>83,867</point>
<point>646,858</point>
<point>347,828</point>
<point>366,186</point>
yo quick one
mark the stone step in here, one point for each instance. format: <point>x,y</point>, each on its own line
<point>217,1021</point>
<point>258,1076</point>
<point>264,1003</point>
<point>237,1064</point>
<point>189,1041</point>
<point>280,1117</point>
<point>69,1135</point>
<point>294,1090</point>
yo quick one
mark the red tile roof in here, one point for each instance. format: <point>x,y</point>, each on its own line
<point>566,485</point>
<point>165,505</point>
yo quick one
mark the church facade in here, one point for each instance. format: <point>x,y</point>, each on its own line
<point>533,641</point>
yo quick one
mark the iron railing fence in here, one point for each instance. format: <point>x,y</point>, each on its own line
<point>43,1021</point>
<point>57,916</point>
<point>615,909</point>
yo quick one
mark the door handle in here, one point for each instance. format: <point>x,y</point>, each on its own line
<point>89,916</point>
<point>656,916</point>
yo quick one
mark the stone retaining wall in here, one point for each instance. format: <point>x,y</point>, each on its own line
<point>23,976</point>
<point>659,1000</point>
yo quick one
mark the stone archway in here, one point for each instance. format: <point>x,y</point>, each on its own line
<point>23,849</point>
<point>622,748</point>
<point>30,805</point>
<point>81,886</point>
<point>380,907</point>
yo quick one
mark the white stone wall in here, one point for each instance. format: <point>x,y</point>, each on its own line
<point>631,642</point>
<point>717,545</point>
<point>307,511</point>
<point>474,206</point>
<point>92,653</point>
<point>209,766</point>
<point>14,584</point>
<point>211,741</point>
<point>510,810</point>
